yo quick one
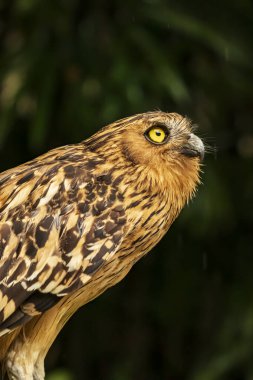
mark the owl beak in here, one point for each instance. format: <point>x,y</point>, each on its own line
<point>194,147</point>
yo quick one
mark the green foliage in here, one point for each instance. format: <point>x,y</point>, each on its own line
<point>69,67</point>
<point>59,374</point>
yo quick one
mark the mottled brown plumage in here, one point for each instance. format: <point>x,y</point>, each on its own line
<point>75,220</point>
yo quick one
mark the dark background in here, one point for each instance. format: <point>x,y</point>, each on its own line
<point>69,67</point>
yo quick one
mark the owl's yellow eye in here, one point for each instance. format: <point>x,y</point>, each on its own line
<point>157,135</point>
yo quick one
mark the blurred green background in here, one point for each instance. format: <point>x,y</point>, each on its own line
<point>185,312</point>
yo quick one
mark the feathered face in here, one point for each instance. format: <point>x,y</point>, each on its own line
<point>161,147</point>
<point>157,136</point>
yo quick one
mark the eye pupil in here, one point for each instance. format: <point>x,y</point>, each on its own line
<point>158,133</point>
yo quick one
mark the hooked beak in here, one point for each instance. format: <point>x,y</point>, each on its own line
<point>194,147</point>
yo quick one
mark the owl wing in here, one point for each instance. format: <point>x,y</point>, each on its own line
<point>59,225</point>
